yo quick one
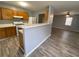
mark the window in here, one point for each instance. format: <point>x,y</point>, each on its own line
<point>68,21</point>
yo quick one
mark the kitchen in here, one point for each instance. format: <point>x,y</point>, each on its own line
<point>18,24</point>
<point>39,29</point>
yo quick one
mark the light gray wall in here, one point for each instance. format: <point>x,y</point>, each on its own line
<point>50,14</point>
<point>40,11</point>
<point>10,21</point>
<point>5,21</point>
<point>59,22</point>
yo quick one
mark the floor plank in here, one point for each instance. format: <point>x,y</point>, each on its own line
<point>10,47</point>
<point>62,43</point>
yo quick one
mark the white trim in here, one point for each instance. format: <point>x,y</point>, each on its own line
<point>38,46</point>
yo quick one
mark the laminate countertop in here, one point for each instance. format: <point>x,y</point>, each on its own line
<point>22,26</point>
<point>31,25</point>
<point>6,25</point>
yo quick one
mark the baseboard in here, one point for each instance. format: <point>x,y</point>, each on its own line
<point>38,46</point>
<point>67,29</point>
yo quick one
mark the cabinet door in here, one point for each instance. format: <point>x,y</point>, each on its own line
<point>0,14</point>
<point>2,33</point>
<point>14,13</point>
<point>24,14</point>
<point>13,31</point>
<point>7,32</point>
<point>10,31</point>
<point>7,14</point>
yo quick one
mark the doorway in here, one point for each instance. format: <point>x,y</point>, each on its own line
<point>41,18</point>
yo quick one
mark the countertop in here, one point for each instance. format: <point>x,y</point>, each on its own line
<point>31,25</point>
<point>6,25</point>
<point>22,26</point>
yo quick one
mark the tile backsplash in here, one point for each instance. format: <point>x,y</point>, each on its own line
<point>5,21</point>
<point>9,21</point>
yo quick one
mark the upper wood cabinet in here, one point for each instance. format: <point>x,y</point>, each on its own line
<point>0,14</point>
<point>7,14</point>
<point>24,14</point>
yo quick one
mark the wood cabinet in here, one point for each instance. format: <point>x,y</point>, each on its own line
<point>0,14</point>
<point>7,14</point>
<point>10,31</point>
<point>7,32</point>
<point>24,14</point>
<point>2,33</point>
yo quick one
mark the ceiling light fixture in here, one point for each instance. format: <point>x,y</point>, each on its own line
<point>23,4</point>
<point>68,14</point>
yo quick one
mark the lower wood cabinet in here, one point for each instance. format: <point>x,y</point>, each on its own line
<point>7,32</point>
<point>2,33</point>
<point>10,31</point>
<point>21,40</point>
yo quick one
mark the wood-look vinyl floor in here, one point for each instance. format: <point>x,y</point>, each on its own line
<point>61,44</point>
<point>10,47</point>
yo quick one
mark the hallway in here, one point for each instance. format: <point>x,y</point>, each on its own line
<point>62,43</point>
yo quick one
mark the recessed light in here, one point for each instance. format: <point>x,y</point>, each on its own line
<point>24,4</point>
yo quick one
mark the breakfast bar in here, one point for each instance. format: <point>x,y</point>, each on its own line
<point>34,35</point>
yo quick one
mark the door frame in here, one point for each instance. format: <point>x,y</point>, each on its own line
<point>39,14</point>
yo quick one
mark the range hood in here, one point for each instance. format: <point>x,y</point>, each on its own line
<point>18,20</point>
<point>18,17</point>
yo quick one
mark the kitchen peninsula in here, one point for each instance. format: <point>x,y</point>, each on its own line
<point>34,35</point>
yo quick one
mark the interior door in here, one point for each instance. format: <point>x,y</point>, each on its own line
<point>41,18</point>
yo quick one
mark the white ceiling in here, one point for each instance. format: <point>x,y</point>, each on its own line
<point>60,7</point>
